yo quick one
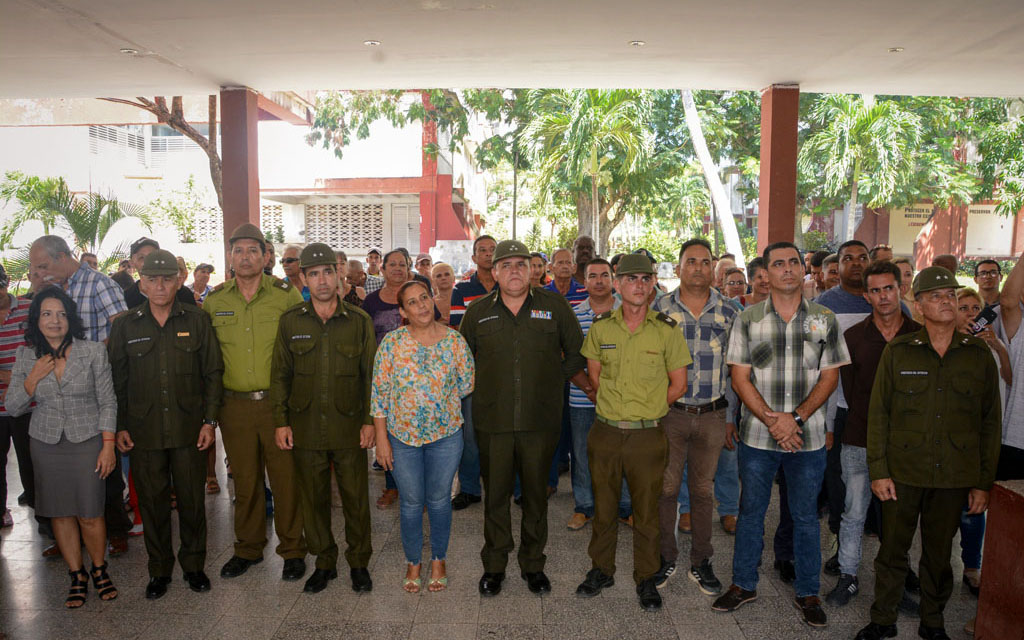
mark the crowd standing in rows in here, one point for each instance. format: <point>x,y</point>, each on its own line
<point>882,398</point>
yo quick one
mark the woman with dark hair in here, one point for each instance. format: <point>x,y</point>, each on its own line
<point>71,432</point>
<point>420,375</point>
<point>538,269</point>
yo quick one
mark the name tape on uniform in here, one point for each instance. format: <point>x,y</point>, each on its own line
<point>143,339</point>
<point>487,319</point>
<point>225,313</point>
<point>184,334</point>
<point>304,336</point>
<point>609,346</point>
<point>913,372</point>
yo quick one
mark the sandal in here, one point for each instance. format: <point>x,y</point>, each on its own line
<point>101,580</point>
<point>412,585</point>
<point>79,587</point>
<point>437,584</point>
<point>212,486</point>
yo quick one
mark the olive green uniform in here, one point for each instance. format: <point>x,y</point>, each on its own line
<point>168,384</point>
<point>627,439</point>
<point>246,330</point>
<point>522,363</point>
<point>320,387</point>
<point>934,428</point>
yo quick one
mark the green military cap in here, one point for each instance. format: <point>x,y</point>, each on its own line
<point>248,231</point>
<point>316,254</point>
<point>634,263</point>
<point>931,278</point>
<point>160,263</point>
<point>510,249</point>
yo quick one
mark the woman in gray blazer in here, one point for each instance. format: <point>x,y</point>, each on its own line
<point>71,433</point>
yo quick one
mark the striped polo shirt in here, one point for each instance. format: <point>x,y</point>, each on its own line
<point>585,316</point>
<point>12,336</point>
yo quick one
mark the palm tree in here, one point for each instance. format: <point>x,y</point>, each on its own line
<point>857,137</point>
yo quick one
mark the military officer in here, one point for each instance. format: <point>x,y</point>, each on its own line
<point>526,343</point>
<point>320,389</point>
<point>933,443</point>
<point>245,311</point>
<point>636,360</point>
<point>166,367</point>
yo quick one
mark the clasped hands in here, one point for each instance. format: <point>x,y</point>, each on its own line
<point>783,427</point>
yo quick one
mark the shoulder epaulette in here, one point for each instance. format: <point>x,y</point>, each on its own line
<point>281,284</point>
<point>219,287</point>
<point>666,319</point>
<point>603,316</point>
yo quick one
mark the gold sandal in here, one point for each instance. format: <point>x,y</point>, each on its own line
<point>437,584</point>
<point>412,585</point>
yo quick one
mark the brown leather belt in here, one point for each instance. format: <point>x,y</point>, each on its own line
<point>698,409</point>
<point>247,395</point>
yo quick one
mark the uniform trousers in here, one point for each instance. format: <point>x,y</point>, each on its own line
<point>640,456</point>
<point>248,430</point>
<point>154,472</point>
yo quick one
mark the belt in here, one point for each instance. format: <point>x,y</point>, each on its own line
<point>247,395</point>
<point>629,424</point>
<point>698,409</point>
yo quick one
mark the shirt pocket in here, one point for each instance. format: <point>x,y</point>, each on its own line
<point>762,354</point>
<point>226,328</point>
<point>908,400</point>
<point>652,367</point>
<point>348,392</point>
<point>489,336</point>
<point>965,396</point>
<point>143,368</point>
<point>541,335</point>
<point>304,368</point>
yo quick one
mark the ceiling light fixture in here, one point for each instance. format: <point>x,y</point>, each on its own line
<point>637,43</point>
<point>895,49</point>
<point>128,51</point>
<point>371,43</point>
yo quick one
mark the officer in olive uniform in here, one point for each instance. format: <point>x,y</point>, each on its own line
<point>166,367</point>
<point>526,343</point>
<point>320,389</point>
<point>245,311</point>
<point>636,359</point>
<point>933,443</point>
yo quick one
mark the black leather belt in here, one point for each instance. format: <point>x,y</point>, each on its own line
<point>247,395</point>
<point>698,409</point>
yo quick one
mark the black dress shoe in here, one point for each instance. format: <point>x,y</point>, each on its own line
<point>361,582</point>
<point>490,583</point>
<point>912,583</point>
<point>157,587</point>
<point>294,569</point>
<point>236,566</point>
<point>787,570</point>
<point>932,633</point>
<point>650,599</point>
<point>318,581</point>
<point>596,581</point>
<point>537,582</point>
<point>463,500</point>
<point>876,631</point>
<point>832,565</point>
<point>197,581</point>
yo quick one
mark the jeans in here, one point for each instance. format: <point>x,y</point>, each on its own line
<point>727,486</point>
<point>581,419</point>
<point>469,466</point>
<point>855,513</point>
<point>804,471</point>
<point>972,533</point>
<point>424,475</point>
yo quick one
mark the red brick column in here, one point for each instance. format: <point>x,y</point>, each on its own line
<point>776,218</point>
<point>239,117</point>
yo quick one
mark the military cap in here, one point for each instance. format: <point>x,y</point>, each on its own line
<point>511,249</point>
<point>248,231</point>
<point>142,242</point>
<point>160,263</point>
<point>316,254</point>
<point>634,263</point>
<point>931,278</point>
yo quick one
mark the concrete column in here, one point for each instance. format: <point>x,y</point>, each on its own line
<point>776,218</point>
<point>239,117</point>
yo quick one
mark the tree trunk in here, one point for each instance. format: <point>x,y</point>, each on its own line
<point>214,155</point>
<point>584,215</point>
<point>718,195</point>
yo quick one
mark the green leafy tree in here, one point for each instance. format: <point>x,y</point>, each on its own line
<point>179,207</point>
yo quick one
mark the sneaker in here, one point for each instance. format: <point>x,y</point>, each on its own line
<point>846,588</point>
<point>376,466</point>
<point>811,611</point>
<point>733,599</point>
<point>577,521</point>
<point>663,573</point>
<point>705,578</point>
<point>832,565</point>
<point>6,520</point>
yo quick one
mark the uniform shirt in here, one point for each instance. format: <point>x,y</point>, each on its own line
<point>373,283</point>
<point>935,422</point>
<point>707,337</point>
<point>786,360</point>
<point>246,330</point>
<point>577,292</point>
<point>463,294</point>
<point>12,336</point>
<point>522,360</point>
<point>167,379</point>
<point>320,385</point>
<point>865,344</point>
<point>98,298</point>
<point>585,316</point>
<point>635,364</point>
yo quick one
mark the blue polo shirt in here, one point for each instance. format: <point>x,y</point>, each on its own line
<point>577,292</point>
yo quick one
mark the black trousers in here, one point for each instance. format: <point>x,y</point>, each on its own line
<point>118,522</point>
<point>16,430</point>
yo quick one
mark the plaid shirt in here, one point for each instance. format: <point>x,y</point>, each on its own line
<point>707,378</point>
<point>373,283</point>
<point>786,361</point>
<point>99,299</point>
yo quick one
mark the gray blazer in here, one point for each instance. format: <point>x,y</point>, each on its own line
<point>79,406</point>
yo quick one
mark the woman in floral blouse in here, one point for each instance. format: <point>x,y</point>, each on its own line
<point>420,375</point>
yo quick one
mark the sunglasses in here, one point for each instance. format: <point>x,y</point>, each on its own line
<point>288,260</point>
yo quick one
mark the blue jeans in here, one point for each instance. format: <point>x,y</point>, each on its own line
<point>972,532</point>
<point>469,466</point>
<point>581,419</point>
<point>424,475</point>
<point>727,486</point>
<point>804,472</point>
<point>854,461</point>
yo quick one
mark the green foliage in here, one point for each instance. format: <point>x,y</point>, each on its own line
<point>748,240</point>
<point>664,247</point>
<point>179,207</point>
<point>815,241</point>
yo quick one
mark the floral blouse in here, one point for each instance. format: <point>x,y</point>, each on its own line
<point>418,388</point>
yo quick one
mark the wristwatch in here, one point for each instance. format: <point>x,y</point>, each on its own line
<point>212,423</point>
<point>797,418</point>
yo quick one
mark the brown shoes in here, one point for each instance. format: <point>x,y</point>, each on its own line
<point>387,498</point>
<point>117,545</point>
<point>627,521</point>
<point>728,524</point>
<point>684,523</point>
<point>811,611</point>
<point>577,521</point>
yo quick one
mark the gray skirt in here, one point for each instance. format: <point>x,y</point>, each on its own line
<point>66,480</point>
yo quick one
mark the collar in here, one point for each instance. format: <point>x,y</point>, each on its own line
<point>497,296</point>
<point>74,276</point>
<point>145,312</point>
<point>770,306</point>
<point>617,316</point>
<point>340,310</point>
<point>923,338</point>
<point>584,306</point>
<point>715,299</point>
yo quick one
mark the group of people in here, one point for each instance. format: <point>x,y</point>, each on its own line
<point>859,388</point>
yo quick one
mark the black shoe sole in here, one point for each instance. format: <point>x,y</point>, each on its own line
<point>741,603</point>
<point>651,607</point>
<point>235,575</point>
<point>584,594</point>
<point>198,589</point>
<point>320,587</point>
<point>705,590</point>
<point>816,625</point>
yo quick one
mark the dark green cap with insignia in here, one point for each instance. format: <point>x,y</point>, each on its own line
<point>634,263</point>
<point>248,231</point>
<point>316,254</point>
<point>931,278</point>
<point>160,263</point>
<point>510,249</point>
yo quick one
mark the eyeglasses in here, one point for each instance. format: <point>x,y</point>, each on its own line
<point>735,283</point>
<point>288,260</point>
<point>988,274</point>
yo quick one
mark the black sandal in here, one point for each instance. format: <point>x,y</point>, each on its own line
<point>79,587</point>
<point>101,580</point>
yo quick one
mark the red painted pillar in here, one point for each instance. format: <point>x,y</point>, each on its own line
<point>776,218</point>
<point>428,199</point>
<point>239,117</point>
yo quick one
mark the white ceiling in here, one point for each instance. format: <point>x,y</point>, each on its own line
<point>50,48</point>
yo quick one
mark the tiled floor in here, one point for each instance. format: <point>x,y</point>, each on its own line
<point>260,606</point>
